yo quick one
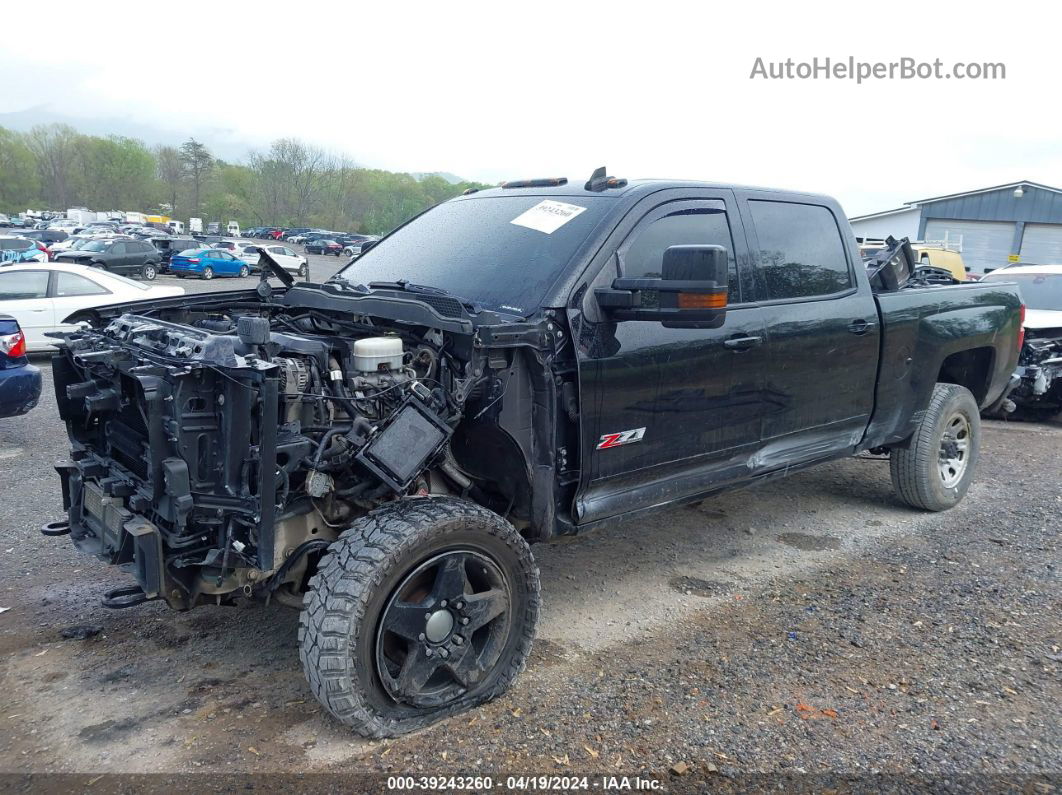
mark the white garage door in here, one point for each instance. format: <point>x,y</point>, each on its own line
<point>985,244</point>
<point>1042,244</point>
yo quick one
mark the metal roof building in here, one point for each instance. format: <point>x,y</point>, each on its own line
<point>1016,222</point>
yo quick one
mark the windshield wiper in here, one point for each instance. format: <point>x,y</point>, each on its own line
<point>424,289</point>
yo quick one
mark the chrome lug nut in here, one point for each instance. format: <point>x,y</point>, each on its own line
<point>429,652</point>
<point>464,620</point>
<point>458,640</point>
<point>443,603</point>
<point>459,605</point>
<point>421,636</point>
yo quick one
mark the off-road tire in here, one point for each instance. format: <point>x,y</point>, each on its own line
<point>346,597</point>
<point>915,469</point>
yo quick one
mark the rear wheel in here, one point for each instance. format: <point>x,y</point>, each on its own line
<point>149,272</point>
<point>244,271</point>
<point>422,609</point>
<point>934,472</point>
<point>208,272</point>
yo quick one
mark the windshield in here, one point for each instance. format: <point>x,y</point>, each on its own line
<point>503,252</point>
<point>1038,290</point>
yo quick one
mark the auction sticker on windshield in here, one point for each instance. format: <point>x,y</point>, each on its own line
<point>547,216</point>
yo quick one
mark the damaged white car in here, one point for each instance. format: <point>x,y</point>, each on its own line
<point>1040,365</point>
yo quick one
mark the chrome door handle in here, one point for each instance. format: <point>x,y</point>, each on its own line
<point>742,343</point>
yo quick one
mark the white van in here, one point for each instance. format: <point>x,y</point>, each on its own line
<point>233,229</point>
<point>176,226</point>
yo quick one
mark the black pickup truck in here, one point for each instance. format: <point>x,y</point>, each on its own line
<point>513,365</point>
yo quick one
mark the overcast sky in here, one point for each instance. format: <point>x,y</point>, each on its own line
<point>498,90</point>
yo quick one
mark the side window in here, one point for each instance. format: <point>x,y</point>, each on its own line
<point>642,255</point>
<point>68,284</point>
<point>801,251</point>
<point>23,284</point>
<point>117,248</point>
<point>287,252</point>
<point>276,250</point>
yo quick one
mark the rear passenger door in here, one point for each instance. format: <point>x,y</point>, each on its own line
<point>822,330</point>
<point>118,257</point>
<point>71,292</point>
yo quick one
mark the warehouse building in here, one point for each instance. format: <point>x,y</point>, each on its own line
<point>1018,222</point>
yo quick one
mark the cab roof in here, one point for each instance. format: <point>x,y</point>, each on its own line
<point>628,189</point>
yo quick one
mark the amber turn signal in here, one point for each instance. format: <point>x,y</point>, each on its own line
<point>702,300</point>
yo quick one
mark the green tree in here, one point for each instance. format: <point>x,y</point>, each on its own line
<point>55,148</point>
<point>169,170</point>
<point>19,177</point>
<point>198,163</point>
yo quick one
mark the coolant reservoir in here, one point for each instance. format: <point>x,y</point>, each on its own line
<point>373,354</point>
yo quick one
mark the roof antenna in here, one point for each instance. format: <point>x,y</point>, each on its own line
<point>598,180</point>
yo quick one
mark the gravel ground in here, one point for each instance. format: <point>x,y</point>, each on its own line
<point>811,627</point>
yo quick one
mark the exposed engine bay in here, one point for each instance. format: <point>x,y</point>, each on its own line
<point>218,449</point>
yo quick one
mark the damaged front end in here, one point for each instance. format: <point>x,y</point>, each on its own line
<point>219,446</point>
<point>1040,371</point>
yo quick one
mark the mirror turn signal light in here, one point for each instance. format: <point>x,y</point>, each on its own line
<point>702,300</point>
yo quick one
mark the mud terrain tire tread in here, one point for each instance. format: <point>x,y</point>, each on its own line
<point>355,566</point>
<point>914,469</point>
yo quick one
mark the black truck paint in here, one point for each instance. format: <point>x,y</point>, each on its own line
<point>221,442</point>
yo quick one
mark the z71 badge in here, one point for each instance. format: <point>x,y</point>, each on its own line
<point>623,437</point>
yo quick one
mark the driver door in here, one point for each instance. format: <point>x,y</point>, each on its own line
<point>671,412</point>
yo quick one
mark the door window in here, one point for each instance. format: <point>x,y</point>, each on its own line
<point>117,249</point>
<point>22,285</point>
<point>801,250</point>
<point>69,284</point>
<point>642,255</point>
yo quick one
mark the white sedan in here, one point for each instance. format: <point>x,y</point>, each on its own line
<point>41,296</point>
<point>286,258</point>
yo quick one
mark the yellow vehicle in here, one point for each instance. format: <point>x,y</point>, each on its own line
<point>938,256</point>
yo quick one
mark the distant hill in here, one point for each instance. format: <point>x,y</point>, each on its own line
<point>226,144</point>
<point>453,179</point>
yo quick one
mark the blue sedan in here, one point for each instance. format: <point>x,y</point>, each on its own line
<point>206,263</point>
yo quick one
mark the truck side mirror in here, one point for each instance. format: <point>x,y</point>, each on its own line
<point>691,293</point>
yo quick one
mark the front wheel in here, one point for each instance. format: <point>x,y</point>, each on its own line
<point>208,273</point>
<point>304,271</point>
<point>422,609</point>
<point>934,472</point>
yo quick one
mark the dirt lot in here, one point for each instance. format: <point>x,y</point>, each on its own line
<point>811,626</point>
